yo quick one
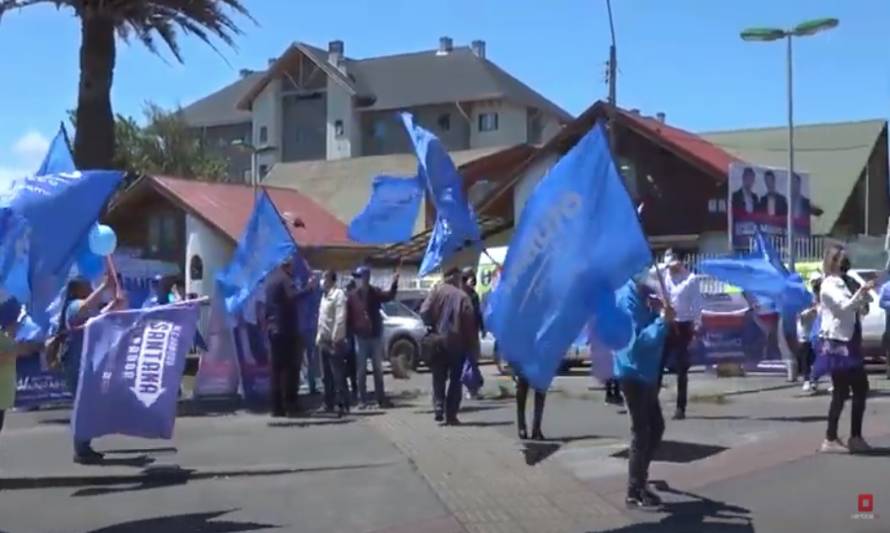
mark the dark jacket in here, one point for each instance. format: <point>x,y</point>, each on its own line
<point>448,310</point>
<point>282,306</point>
<point>477,308</point>
<point>363,318</point>
<point>779,201</point>
<point>738,202</point>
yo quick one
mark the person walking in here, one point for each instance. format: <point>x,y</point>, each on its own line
<point>81,303</point>
<point>468,283</point>
<point>331,343</point>
<point>454,335</point>
<point>638,367</point>
<point>839,350</point>
<point>684,294</point>
<point>366,323</point>
<point>284,341</point>
<point>522,389</point>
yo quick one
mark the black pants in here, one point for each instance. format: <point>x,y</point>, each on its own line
<point>854,380</point>
<point>333,361</point>
<point>646,428</point>
<point>2,416</point>
<point>522,387</point>
<point>805,358</point>
<point>447,366</point>
<point>613,390</point>
<point>285,378</point>
<point>351,367</point>
<point>676,353</point>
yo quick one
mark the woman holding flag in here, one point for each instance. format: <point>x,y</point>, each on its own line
<point>82,302</point>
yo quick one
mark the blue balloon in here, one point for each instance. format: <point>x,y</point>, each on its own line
<point>103,240</point>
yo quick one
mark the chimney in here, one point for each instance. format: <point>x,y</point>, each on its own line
<point>635,112</point>
<point>245,72</point>
<point>335,52</point>
<point>478,47</point>
<point>446,45</point>
<point>660,116</point>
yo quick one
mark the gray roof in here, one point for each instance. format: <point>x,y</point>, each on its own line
<point>342,186</point>
<point>388,83</point>
<point>219,108</point>
<point>834,155</point>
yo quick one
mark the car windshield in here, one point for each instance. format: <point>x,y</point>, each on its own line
<point>398,309</point>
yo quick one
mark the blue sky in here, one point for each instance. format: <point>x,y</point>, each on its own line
<point>682,57</point>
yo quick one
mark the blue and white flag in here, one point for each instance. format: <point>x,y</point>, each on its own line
<point>58,158</point>
<point>44,220</point>
<point>391,211</point>
<point>264,245</point>
<point>131,371</point>
<point>456,227</point>
<point>578,240</point>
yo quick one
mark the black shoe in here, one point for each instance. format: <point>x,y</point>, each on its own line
<point>537,435</point>
<point>640,499</point>
<point>452,421</point>
<point>652,496</point>
<point>523,434</point>
<point>680,414</point>
<point>385,404</point>
<point>439,416</point>
<point>90,457</point>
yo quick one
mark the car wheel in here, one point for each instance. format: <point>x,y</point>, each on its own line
<point>403,357</point>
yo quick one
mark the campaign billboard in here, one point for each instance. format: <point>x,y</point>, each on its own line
<point>758,198</point>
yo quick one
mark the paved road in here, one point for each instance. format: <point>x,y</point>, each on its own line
<point>743,461</point>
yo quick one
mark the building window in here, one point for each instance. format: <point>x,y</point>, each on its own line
<point>488,121</point>
<point>163,235</point>
<point>338,128</point>
<point>196,268</point>
<point>264,134</point>
<point>378,130</point>
<point>444,121</point>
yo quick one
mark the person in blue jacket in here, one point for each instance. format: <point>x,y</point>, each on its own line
<point>637,367</point>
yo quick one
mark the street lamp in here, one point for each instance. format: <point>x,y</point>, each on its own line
<point>810,27</point>
<point>254,152</point>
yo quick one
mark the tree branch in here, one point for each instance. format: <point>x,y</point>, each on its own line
<point>9,5</point>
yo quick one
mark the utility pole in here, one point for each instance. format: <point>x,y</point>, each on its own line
<point>613,81</point>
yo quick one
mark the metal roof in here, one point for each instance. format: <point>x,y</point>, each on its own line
<point>342,186</point>
<point>383,83</point>
<point>227,207</point>
<point>833,154</point>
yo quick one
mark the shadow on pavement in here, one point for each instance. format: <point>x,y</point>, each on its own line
<point>466,409</point>
<point>311,422</point>
<point>877,452</point>
<point>483,424</point>
<point>717,417</point>
<point>698,514</point>
<point>158,450</point>
<point>203,522</point>
<point>535,452</point>
<point>159,476</point>
<point>64,421</point>
<point>809,418</point>
<point>139,461</point>
<point>679,452</point>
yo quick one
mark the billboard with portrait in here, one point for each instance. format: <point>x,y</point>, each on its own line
<point>758,198</point>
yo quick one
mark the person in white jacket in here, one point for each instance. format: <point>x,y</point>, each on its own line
<point>840,348</point>
<point>332,344</point>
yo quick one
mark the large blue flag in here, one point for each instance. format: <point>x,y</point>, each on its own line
<point>131,371</point>
<point>58,158</point>
<point>456,227</point>
<point>578,240</point>
<point>46,219</point>
<point>390,213</point>
<point>264,245</point>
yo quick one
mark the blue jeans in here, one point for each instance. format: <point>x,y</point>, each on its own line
<point>370,348</point>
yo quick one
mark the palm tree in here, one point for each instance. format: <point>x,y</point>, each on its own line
<point>146,20</point>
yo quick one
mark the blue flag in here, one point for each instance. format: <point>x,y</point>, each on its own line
<point>58,158</point>
<point>391,211</point>
<point>131,372</point>
<point>264,245</point>
<point>46,219</point>
<point>456,227</point>
<point>578,240</point>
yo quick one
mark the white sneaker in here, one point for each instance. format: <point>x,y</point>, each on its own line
<point>807,386</point>
<point>858,445</point>
<point>833,446</point>
<point>830,388</point>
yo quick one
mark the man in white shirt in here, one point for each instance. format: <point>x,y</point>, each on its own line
<point>685,295</point>
<point>332,344</point>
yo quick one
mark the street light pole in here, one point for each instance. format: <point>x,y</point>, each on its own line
<point>810,27</point>
<point>789,231</point>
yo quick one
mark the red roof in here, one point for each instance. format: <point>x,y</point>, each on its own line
<point>227,207</point>
<point>681,141</point>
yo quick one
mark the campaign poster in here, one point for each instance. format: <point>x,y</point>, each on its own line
<point>758,198</point>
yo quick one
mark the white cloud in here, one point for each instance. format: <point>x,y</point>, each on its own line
<point>30,146</point>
